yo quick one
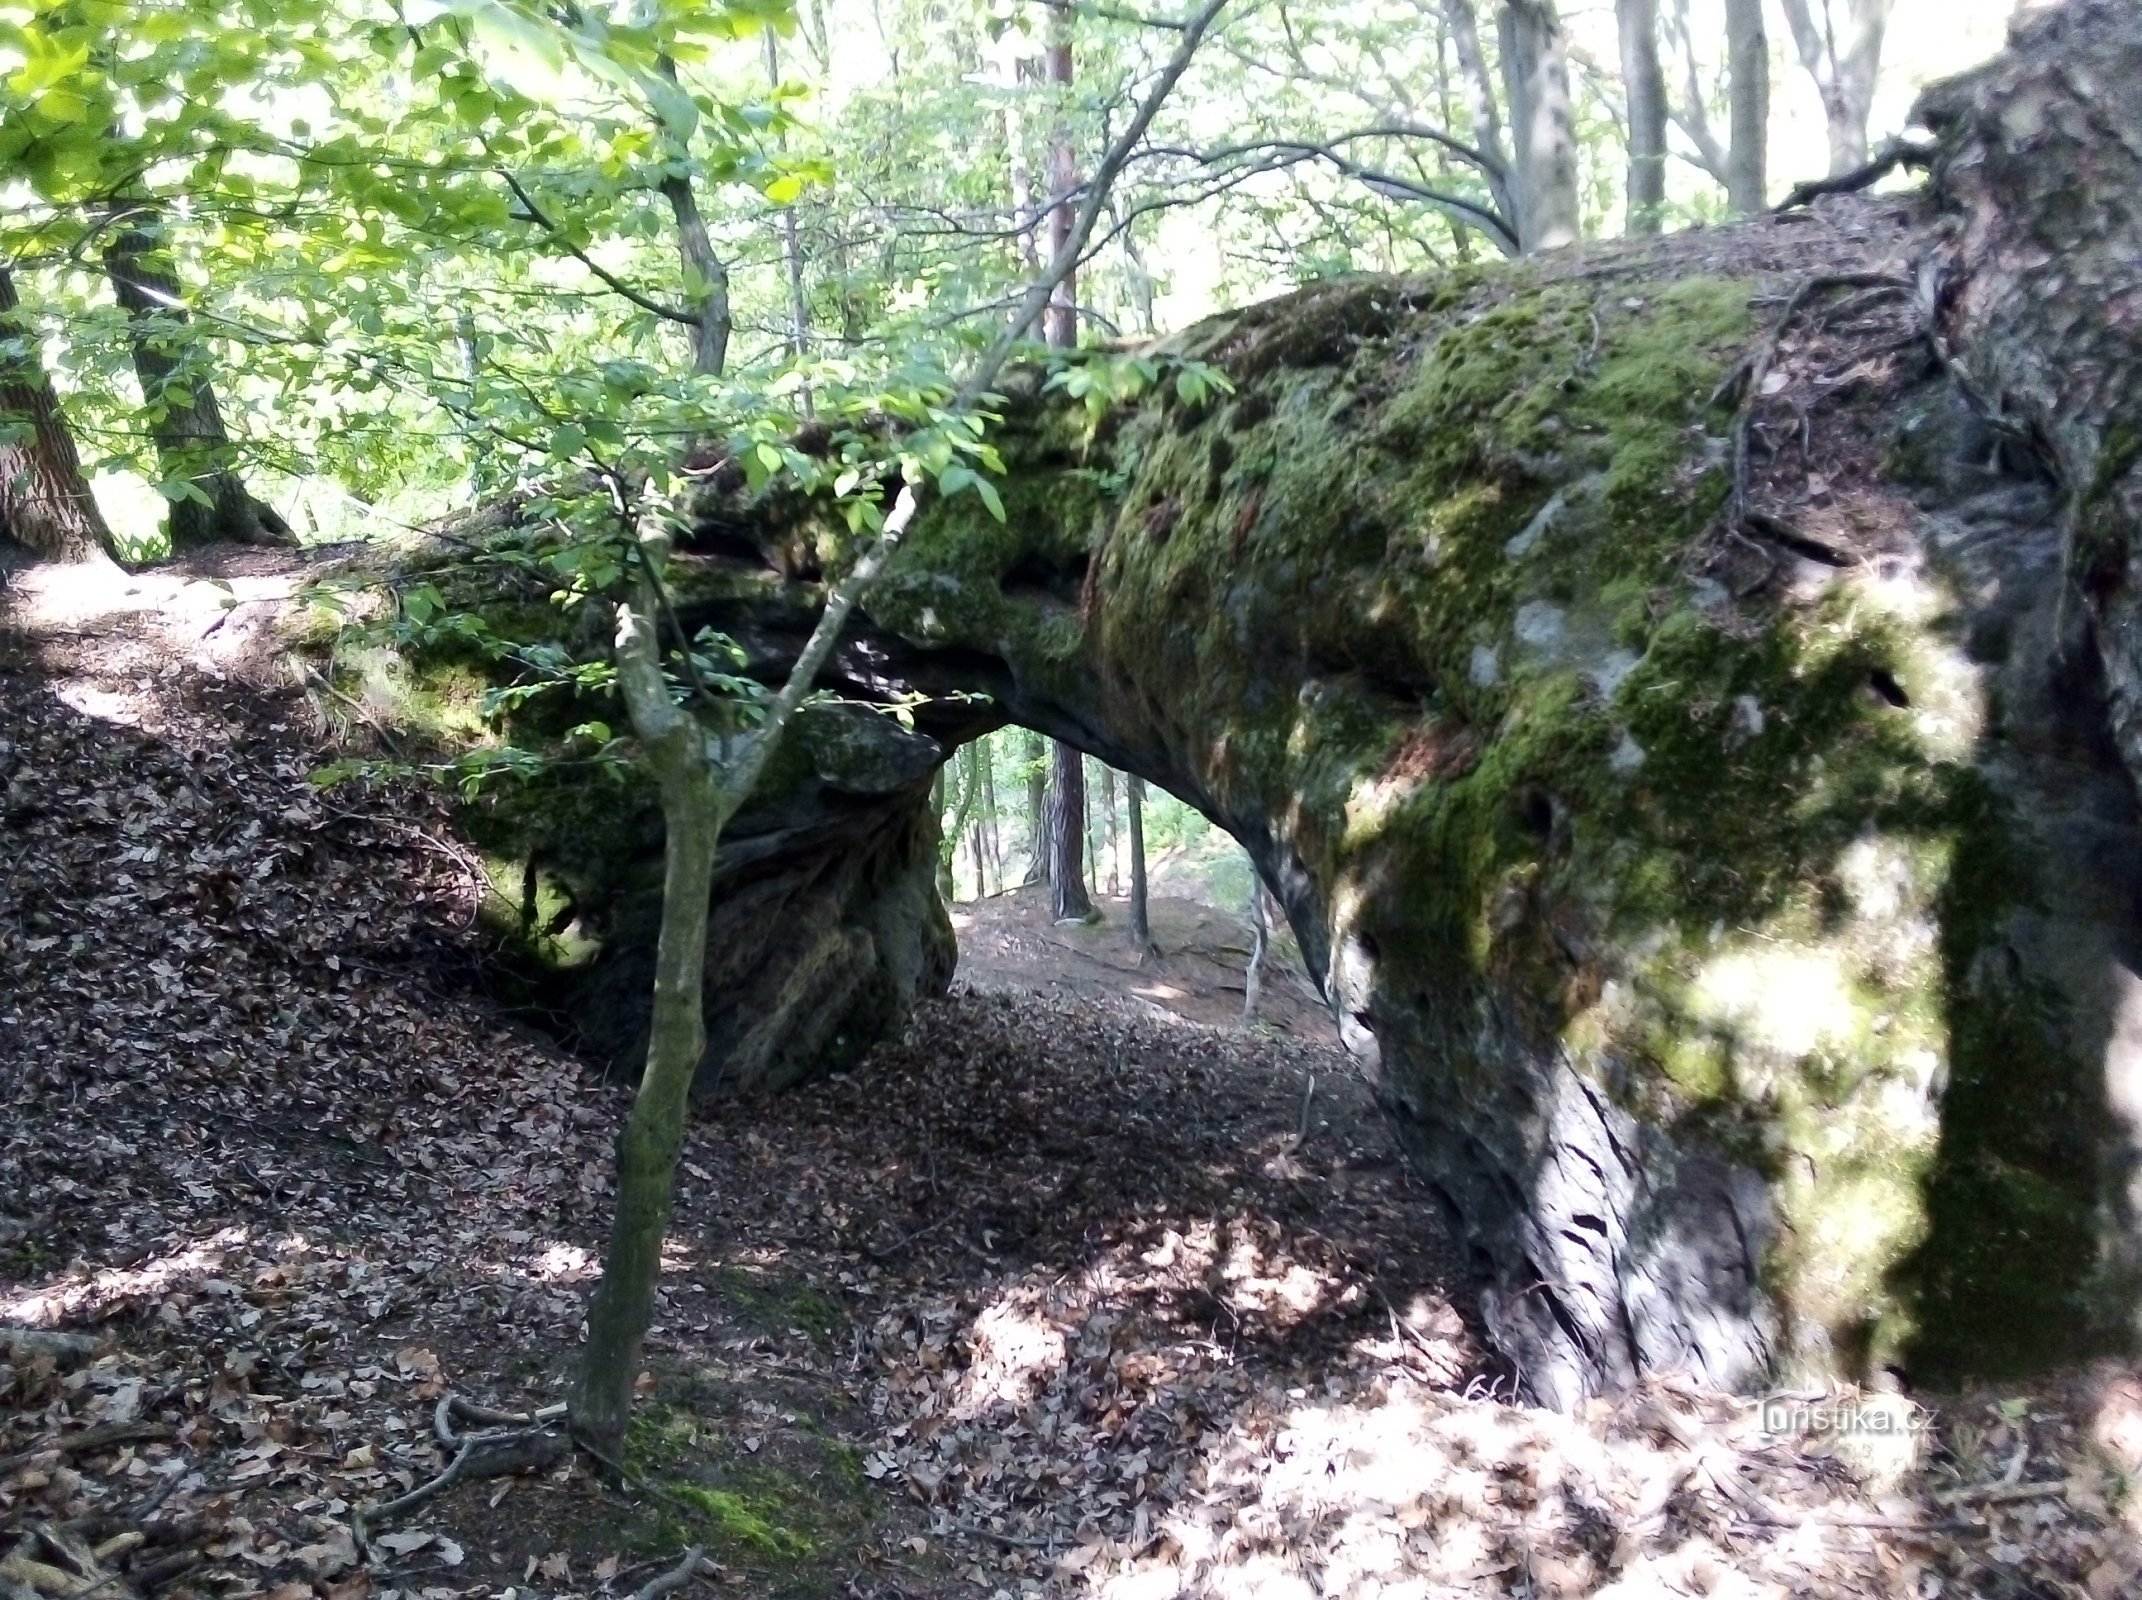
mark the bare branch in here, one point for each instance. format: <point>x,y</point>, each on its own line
<point>536,214</point>
<point>1104,176</point>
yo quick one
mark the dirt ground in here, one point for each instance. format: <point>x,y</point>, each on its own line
<point>1008,944</point>
<point>1063,1294</point>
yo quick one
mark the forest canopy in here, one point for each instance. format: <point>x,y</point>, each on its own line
<point>326,269</point>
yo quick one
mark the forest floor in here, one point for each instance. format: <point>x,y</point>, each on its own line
<point>1078,1289</point>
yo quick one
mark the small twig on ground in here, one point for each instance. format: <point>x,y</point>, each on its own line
<point>364,714</point>
<point>900,1244</point>
<point>694,1562</point>
<point>1017,1541</point>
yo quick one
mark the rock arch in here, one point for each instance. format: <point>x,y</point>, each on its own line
<point>1729,881</point>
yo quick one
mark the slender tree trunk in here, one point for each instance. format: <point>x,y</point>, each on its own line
<point>706,279</point>
<point>1141,930</point>
<point>1543,136</point>
<point>706,275</point>
<point>1748,102</point>
<point>1481,110</point>
<point>653,1134</point>
<point>1260,948</point>
<point>178,394</point>
<point>992,849</point>
<point>1068,900</point>
<point>1644,84</point>
<point>1138,279</point>
<point>956,774</point>
<point>1021,71</point>
<point>1109,837</point>
<point>1842,52</point>
<point>1038,758</point>
<point>45,504</point>
<point>1093,831</point>
<point>799,304</point>
<point>1062,320</point>
<point>977,827</point>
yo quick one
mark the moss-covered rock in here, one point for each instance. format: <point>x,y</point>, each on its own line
<point>1741,925</point>
<point>825,926</point>
<point>1703,931</point>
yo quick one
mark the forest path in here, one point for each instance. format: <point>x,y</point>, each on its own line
<point>1052,1297</point>
<point>1007,943</point>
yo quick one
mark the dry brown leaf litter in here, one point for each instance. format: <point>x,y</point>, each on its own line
<point>1090,1314</point>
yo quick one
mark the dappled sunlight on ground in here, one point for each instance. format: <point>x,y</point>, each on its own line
<point>85,1292</point>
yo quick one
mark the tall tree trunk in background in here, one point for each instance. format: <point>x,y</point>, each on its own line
<point>1543,139</point>
<point>45,504</point>
<point>1481,111</point>
<point>178,393</point>
<point>1842,51</point>
<point>1037,808</point>
<point>1068,899</point>
<point>1748,104</point>
<point>706,275</point>
<point>1260,947</point>
<point>799,305</point>
<point>992,840</point>
<point>1114,884</point>
<point>966,790</point>
<point>1141,929</point>
<point>1062,319</point>
<point>706,279</point>
<point>978,828</point>
<point>1644,85</point>
<point>1020,70</point>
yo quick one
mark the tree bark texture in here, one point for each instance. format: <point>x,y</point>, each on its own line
<point>1141,927</point>
<point>1535,69</point>
<point>1113,878</point>
<point>799,302</point>
<point>1644,85</point>
<point>1481,109</point>
<point>648,1145</point>
<point>178,395</point>
<point>1748,107</point>
<point>45,503</point>
<point>1060,325</point>
<point>706,278</point>
<point>1037,809</point>
<point>1068,900</point>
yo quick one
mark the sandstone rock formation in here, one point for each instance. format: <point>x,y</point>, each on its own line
<point>1679,691</point>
